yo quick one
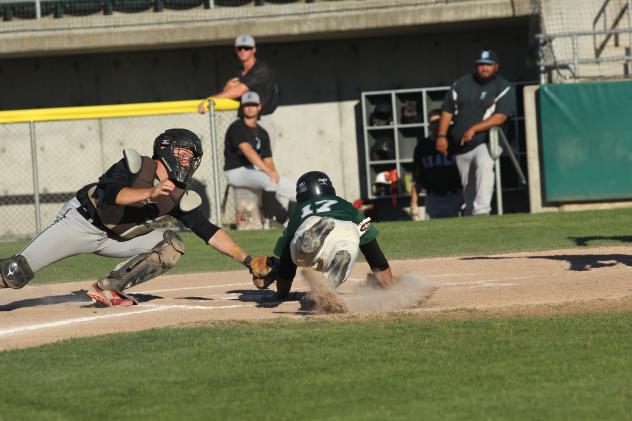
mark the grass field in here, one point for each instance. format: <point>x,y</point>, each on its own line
<point>393,366</point>
<point>572,367</point>
<point>399,240</point>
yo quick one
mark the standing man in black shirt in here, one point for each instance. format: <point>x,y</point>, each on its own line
<point>255,75</point>
<point>248,160</point>
<point>475,104</point>
<point>437,174</point>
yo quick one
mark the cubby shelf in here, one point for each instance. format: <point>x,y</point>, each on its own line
<point>393,122</point>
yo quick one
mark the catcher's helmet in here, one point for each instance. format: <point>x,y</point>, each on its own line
<point>313,183</point>
<point>164,149</point>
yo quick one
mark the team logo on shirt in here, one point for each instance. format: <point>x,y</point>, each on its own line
<point>483,95</point>
<point>258,143</point>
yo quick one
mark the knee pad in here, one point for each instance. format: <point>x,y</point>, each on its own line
<point>15,272</point>
<point>146,266</point>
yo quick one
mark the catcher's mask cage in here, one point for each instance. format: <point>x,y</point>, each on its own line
<point>313,183</point>
<point>165,147</point>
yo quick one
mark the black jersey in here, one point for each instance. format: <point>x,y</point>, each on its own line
<point>238,133</point>
<point>472,101</point>
<point>433,171</point>
<point>262,80</point>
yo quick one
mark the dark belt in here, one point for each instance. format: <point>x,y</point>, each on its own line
<point>444,193</point>
<point>83,211</point>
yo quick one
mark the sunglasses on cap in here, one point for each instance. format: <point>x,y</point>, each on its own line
<point>241,47</point>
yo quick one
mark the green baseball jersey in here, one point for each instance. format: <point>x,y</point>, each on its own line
<point>332,206</point>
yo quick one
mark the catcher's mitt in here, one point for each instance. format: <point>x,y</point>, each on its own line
<point>263,270</point>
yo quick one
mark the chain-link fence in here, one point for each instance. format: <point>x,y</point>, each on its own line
<point>46,162</point>
<point>585,39</point>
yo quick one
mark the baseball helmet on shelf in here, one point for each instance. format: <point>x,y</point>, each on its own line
<point>383,149</point>
<point>166,148</point>
<point>313,183</point>
<point>382,114</point>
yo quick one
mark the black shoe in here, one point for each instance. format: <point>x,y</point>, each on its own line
<point>338,267</point>
<point>312,240</point>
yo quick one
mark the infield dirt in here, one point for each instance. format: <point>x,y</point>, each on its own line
<point>507,285</point>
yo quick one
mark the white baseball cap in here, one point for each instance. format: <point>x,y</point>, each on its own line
<point>245,41</point>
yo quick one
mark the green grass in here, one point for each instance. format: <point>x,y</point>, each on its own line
<point>400,367</point>
<point>462,236</point>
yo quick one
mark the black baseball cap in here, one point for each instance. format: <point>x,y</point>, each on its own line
<point>486,57</point>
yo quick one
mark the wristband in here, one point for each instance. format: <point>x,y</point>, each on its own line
<point>442,135</point>
<point>247,261</point>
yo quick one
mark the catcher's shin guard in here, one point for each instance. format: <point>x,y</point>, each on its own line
<point>145,266</point>
<point>15,272</point>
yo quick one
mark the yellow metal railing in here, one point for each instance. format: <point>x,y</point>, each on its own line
<point>109,111</point>
<point>33,117</point>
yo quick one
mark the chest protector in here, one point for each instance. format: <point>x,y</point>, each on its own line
<point>138,218</point>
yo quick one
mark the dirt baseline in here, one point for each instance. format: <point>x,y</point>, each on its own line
<point>507,284</point>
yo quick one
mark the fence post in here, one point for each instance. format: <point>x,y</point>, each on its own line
<point>38,216</point>
<point>495,152</point>
<point>629,49</point>
<point>216,190</point>
<point>575,58</point>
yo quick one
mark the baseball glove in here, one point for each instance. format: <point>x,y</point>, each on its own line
<point>263,270</point>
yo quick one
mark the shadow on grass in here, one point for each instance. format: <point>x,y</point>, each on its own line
<point>75,296</point>
<point>583,241</point>
<point>578,263</point>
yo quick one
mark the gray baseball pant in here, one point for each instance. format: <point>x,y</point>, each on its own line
<point>254,178</point>
<point>71,234</point>
<point>476,168</point>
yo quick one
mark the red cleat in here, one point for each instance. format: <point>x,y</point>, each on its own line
<point>108,297</point>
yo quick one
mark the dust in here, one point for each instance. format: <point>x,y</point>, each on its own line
<point>410,291</point>
<point>321,298</point>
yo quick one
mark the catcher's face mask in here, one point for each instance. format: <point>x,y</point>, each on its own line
<point>181,152</point>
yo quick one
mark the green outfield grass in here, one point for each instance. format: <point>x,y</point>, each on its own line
<point>461,236</point>
<point>398,367</point>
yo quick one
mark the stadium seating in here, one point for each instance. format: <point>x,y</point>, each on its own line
<point>26,9</point>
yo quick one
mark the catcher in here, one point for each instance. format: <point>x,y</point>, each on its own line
<point>324,233</point>
<point>114,218</point>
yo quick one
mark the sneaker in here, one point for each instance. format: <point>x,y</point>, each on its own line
<point>337,270</point>
<point>108,297</point>
<point>312,240</point>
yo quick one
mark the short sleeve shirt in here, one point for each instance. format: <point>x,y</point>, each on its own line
<point>238,133</point>
<point>471,102</point>
<point>262,80</point>
<point>433,171</point>
<point>332,206</point>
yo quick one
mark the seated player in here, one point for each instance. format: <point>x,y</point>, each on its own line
<point>324,233</point>
<point>114,217</point>
<point>248,161</point>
